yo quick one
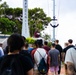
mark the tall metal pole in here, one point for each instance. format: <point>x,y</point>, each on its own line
<point>54,25</point>
<point>53,19</point>
<point>25,28</point>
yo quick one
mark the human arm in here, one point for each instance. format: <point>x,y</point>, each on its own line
<point>69,62</point>
<point>59,58</point>
<point>70,69</point>
<point>30,72</point>
<point>48,61</point>
<point>63,56</point>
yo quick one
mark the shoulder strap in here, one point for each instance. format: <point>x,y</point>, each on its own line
<point>40,54</point>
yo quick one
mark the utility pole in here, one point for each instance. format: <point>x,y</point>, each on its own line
<point>25,27</point>
<point>54,23</point>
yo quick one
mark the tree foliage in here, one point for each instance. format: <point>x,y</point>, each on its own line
<point>6,26</point>
<point>37,18</point>
<point>12,18</point>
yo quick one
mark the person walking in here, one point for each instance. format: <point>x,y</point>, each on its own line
<point>70,62</point>
<point>70,44</point>
<point>25,51</point>
<point>70,59</point>
<point>46,47</point>
<point>54,58</point>
<point>14,63</point>
<point>38,55</point>
<point>59,47</point>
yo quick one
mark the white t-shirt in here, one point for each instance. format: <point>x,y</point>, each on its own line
<point>71,56</point>
<point>37,56</point>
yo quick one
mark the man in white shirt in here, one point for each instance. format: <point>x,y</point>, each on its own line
<point>70,61</point>
<point>39,53</point>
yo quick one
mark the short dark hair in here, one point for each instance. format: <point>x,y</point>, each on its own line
<point>35,43</point>
<point>26,45</point>
<point>24,38</point>
<point>45,42</point>
<point>15,42</point>
<point>70,41</point>
<point>53,44</point>
<point>39,42</point>
<point>57,41</point>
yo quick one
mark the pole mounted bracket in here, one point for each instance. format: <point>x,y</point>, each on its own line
<point>54,26</point>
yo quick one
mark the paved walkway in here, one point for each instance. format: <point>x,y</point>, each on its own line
<point>62,70</point>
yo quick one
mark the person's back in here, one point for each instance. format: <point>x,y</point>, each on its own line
<point>59,47</point>
<point>54,57</point>
<point>25,51</point>
<point>70,61</point>
<point>15,45</point>
<point>38,55</point>
<point>15,61</point>
<point>70,45</point>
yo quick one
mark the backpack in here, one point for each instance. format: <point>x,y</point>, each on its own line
<point>11,67</point>
<point>42,67</point>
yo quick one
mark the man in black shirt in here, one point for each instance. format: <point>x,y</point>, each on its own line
<point>70,41</point>
<point>15,63</point>
<point>58,47</point>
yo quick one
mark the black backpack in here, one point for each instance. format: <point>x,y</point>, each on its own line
<point>11,67</point>
<point>42,67</point>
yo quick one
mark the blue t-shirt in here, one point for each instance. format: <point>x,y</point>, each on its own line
<point>54,57</point>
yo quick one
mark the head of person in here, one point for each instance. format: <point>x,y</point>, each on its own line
<point>15,42</point>
<point>23,38</point>
<point>65,44</point>
<point>53,45</point>
<point>26,45</point>
<point>35,44</point>
<point>70,41</point>
<point>45,43</point>
<point>39,42</point>
<point>56,41</point>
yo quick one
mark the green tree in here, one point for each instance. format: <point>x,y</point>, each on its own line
<point>6,25</point>
<point>37,18</point>
<point>18,26</point>
<point>9,11</point>
<point>18,12</point>
<point>3,7</point>
<point>47,37</point>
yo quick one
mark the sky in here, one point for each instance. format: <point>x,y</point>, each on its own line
<point>65,11</point>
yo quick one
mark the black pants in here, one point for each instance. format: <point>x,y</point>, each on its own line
<point>59,69</point>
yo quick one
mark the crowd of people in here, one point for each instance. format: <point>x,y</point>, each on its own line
<point>25,59</point>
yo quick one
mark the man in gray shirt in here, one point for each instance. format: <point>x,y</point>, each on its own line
<point>54,57</point>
